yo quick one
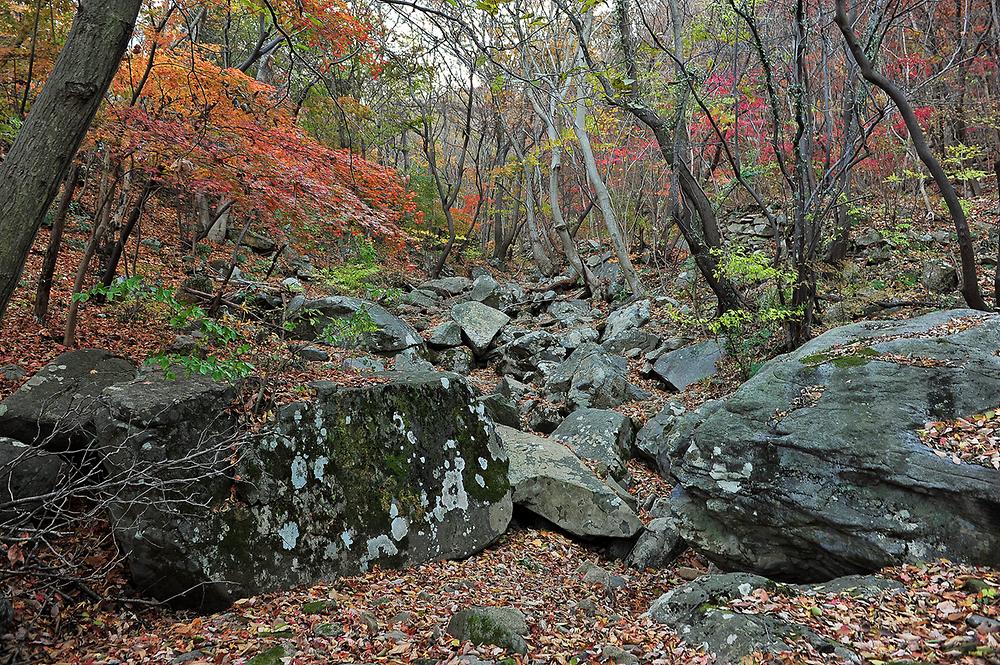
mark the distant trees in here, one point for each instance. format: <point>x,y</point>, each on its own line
<point>55,127</point>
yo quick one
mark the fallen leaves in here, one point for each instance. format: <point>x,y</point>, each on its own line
<point>973,439</point>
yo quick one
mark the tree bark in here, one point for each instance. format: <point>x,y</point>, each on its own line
<point>970,283</point>
<point>55,127</point>
<point>55,242</point>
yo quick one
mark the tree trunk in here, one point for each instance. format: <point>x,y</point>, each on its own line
<point>55,241</point>
<point>604,198</point>
<point>970,283</point>
<point>119,247</point>
<point>55,127</point>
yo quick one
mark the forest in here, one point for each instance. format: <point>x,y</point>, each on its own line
<point>498,332</point>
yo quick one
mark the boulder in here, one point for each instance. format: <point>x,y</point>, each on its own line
<point>939,276</point>
<point>364,365</point>
<point>312,353</point>
<point>392,474</point>
<point>56,406</point>
<point>479,324</point>
<point>501,410</point>
<point>655,442</point>
<point>352,322</point>
<point>683,367</point>
<point>526,356</point>
<point>551,482</point>
<point>814,468</point>
<point>571,339</point>
<point>488,291</point>
<point>599,435</point>
<point>657,546</point>
<point>698,612</point>
<point>540,415</point>
<point>27,475</point>
<point>570,312</point>
<point>446,287</point>
<point>445,335</point>
<point>625,319</point>
<point>496,626</point>
<point>592,377</point>
<point>421,298</point>
<point>409,360</point>
<point>636,340</point>
<point>459,360</point>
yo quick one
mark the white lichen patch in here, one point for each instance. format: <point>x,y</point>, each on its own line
<point>319,467</point>
<point>300,472</point>
<point>399,528</point>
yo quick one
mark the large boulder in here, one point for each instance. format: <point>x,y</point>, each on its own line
<point>479,323</point>
<point>683,367</point>
<point>393,474</point>
<point>599,435</point>
<point>814,468</point>
<point>592,377</point>
<point>655,441</point>
<point>552,482</point>
<point>353,322</point>
<point>56,407</point>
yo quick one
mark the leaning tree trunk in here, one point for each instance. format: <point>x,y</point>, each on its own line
<point>43,293</point>
<point>55,127</point>
<point>970,283</point>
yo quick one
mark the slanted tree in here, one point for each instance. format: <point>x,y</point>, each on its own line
<point>56,125</point>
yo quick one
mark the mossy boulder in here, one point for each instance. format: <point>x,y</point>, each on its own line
<point>393,474</point>
<point>815,468</point>
<point>496,626</point>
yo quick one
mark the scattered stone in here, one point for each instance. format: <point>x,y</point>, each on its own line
<point>572,339</point>
<point>939,276</point>
<point>541,416</point>
<point>591,377</point>
<point>570,312</point>
<point>410,360</point>
<point>292,285</point>
<point>512,388</point>
<point>421,298</point>
<point>591,573</point>
<point>12,373</point>
<point>458,360</point>
<point>446,287</point>
<point>625,319</point>
<point>498,626</point>
<point>778,480</point>
<point>479,324</point>
<point>656,442</point>
<point>329,629</point>
<point>313,353</point>
<point>501,410</point>
<point>364,365</point>
<point>617,655</point>
<point>552,482</point>
<point>600,435</point>
<point>525,357</point>
<point>679,369</point>
<point>445,335</point>
<point>657,546</point>
<point>56,406</point>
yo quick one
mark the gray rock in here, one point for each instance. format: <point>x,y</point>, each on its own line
<point>392,475</point>
<point>657,546</point>
<point>814,484</point>
<point>855,586</point>
<point>502,410</point>
<point>552,482</point>
<point>679,369</point>
<point>488,291</point>
<point>541,416</point>
<point>352,322</point>
<point>625,319</point>
<point>498,626</point>
<point>421,298</point>
<point>618,656</point>
<point>292,285</point>
<point>591,573</point>
<point>479,324</point>
<point>656,442</point>
<point>636,340</point>
<point>27,475</point>
<point>447,287</point>
<point>313,353</point>
<point>939,276</point>
<point>592,377</point>
<point>512,388</point>
<point>570,312</point>
<point>410,360</point>
<point>445,335</point>
<point>364,365</point>
<point>12,373</point>
<point>56,406</point>
<point>599,435</point>
<point>571,339</point>
<point>523,357</point>
<point>697,611</point>
<point>459,360</point>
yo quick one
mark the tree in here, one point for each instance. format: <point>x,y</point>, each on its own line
<point>56,125</point>
<point>970,282</point>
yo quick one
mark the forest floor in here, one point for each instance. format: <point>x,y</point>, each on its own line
<point>393,616</point>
